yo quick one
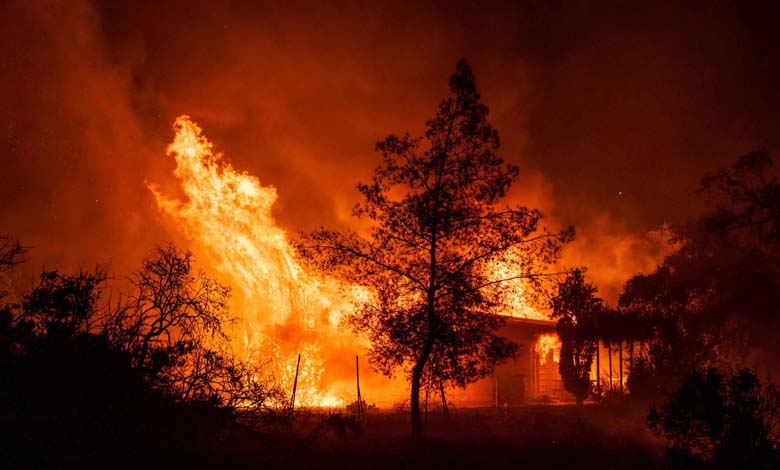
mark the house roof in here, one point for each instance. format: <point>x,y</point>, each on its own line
<point>530,323</point>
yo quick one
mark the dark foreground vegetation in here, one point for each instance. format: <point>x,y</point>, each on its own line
<point>532,437</point>
<point>90,381</point>
<point>535,437</point>
<point>139,378</point>
<point>700,330</point>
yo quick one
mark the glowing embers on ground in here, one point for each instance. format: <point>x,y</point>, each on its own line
<point>283,309</point>
<point>548,344</point>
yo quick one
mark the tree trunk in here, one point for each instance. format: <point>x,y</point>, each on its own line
<point>414,404</point>
<point>419,367</point>
<point>598,368</point>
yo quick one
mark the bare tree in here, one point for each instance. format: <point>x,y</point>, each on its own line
<point>170,305</point>
<point>173,325</point>
<point>12,253</point>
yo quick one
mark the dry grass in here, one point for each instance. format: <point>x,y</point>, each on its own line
<point>525,437</point>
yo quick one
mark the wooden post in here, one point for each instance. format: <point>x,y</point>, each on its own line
<point>357,378</point>
<point>295,383</point>
<point>444,408</point>
<point>426,405</point>
<point>620,358</point>
<point>537,365</point>
<point>533,388</point>
<point>598,368</point>
<point>609,351</point>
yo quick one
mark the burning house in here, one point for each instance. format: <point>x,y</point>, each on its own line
<point>533,376</point>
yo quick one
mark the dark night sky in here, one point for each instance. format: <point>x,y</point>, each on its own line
<point>612,112</point>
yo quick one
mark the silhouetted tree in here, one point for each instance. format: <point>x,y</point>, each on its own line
<point>435,233</point>
<point>726,422</point>
<point>746,199</point>
<point>173,304</point>
<point>713,301</point>
<point>67,395</point>
<point>738,239</point>
<point>687,333</point>
<point>65,304</point>
<point>11,254</point>
<point>576,307</point>
<point>173,326</point>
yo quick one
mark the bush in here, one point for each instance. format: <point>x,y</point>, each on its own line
<point>721,422</point>
<point>83,380</point>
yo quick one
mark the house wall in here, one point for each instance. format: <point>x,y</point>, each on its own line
<point>527,379</point>
<point>520,380</point>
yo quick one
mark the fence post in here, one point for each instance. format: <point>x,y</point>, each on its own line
<point>295,383</point>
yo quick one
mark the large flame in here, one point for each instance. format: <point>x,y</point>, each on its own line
<point>514,291</point>
<point>546,344</point>
<point>227,215</point>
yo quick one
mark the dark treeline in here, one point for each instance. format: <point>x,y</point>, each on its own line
<point>700,329</point>
<point>714,301</point>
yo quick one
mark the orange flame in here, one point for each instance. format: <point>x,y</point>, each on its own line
<point>547,343</point>
<point>513,292</point>
<point>227,214</point>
